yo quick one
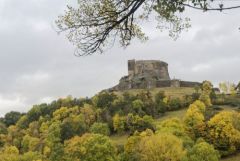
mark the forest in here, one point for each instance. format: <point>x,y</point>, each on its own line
<point>81,129</point>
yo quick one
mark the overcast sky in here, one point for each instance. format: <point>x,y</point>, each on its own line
<point>37,65</point>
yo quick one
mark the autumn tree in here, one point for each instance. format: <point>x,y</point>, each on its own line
<point>147,146</point>
<point>224,132</point>
<point>90,147</point>
<point>176,127</point>
<point>206,92</point>
<point>100,128</point>
<point>228,88</point>
<point>118,123</point>
<point>95,24</point>
<point>203,152</point>
<point>195,120</point>
<point>54,142</point>
<point>137,123</point>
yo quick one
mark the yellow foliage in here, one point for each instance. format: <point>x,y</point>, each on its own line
<point>118,123</point>
<point>222,131</point>
<point>61,113</point>
<point>89,114</point>
<point>201,106</point>
<point>160,147</point>
<point>194,121</point>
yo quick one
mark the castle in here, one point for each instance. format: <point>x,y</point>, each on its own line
<point>146,74</point>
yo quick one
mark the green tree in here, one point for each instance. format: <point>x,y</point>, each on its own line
<point>3,128</point>
<point>137,123</point>
<point>71,126</point>
<point>104,99</point>
<point>147,146</point>
<point>203,152</point>
<point>54,142</point>
<point>138,106</point>
<point>11,118</point>
<point>176,127</point>
<point>100,128</point>
<point>160,104</point>
<point>90,147</point>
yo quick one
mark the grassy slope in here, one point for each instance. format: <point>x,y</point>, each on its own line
<point>122,139</point>
<point>169,91</point>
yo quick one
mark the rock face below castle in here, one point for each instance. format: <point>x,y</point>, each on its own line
<point>146,74</point>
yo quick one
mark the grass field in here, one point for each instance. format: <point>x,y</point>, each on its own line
<point>119,139</point>
<point>169,91</point>
<point>171,114</point>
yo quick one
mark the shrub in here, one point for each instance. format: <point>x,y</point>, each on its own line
<point>223,132</point>
<point>174,104</point>
<point>203,152</point>
<point>100,128</point>
<point>149,147</point>
<point>90,147</point>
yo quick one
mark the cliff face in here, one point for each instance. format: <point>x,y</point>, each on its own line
<point>145,74</point>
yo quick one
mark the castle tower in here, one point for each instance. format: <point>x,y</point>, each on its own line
<point>131,67</point>
<point>149,69</point>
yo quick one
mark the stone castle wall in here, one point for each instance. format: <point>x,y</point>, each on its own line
<point>151,68</point>
<point>146,74</point>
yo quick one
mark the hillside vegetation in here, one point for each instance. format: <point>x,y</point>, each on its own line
<point>178,124</point>
<point>173,92</point>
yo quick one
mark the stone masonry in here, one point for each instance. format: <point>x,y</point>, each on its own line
<point>146,74</point>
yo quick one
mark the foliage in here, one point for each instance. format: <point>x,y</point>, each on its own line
<point>90,147</point>
<point>3,128</point>
<point>161,105</point>
<point>203,152</point>
<point>207,89</point>
<point>223,132</point>
<point>66,129</point>
<point>11,153</point>
<point>194,119</point>
<point>137,123</point>
<point>118,123</point>
<point>174,104</point>
<point>175,127</point>
<point>104,99</point>
<point>147,146</point>
<point>100,128</point>
<point>228,88</point>
<point>11,118</point>
<point>94,25</point>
